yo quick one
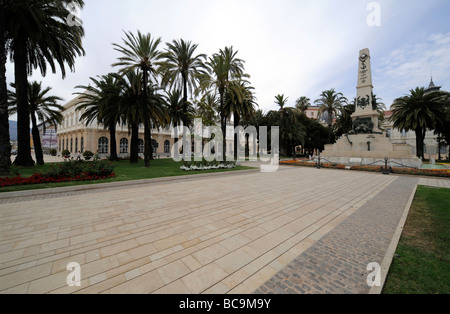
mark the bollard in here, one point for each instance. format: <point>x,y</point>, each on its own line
<point>386,169</point>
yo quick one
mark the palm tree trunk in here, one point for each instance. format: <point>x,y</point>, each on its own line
<point>419,143</point>
<point>112,136</point>
<point>185,120</point>
<point>330,125</point>
<point>148,148</point>
<point>439,139</point>
<point>23,114</point>
<point>223,125</point>
<point>134,151</point>
<point>236,124</point>
<point>37,141</point>
<point>5,144</point>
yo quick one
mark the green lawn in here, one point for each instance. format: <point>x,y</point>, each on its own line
<point>124,172</point>
<point>422,261</point>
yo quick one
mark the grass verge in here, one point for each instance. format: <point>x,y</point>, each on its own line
<point>124,172</point>
<point>421,264</point>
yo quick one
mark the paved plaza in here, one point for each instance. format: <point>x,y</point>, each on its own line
<point>298,230</point>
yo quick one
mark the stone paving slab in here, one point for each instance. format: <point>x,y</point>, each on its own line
<point>218,234</point>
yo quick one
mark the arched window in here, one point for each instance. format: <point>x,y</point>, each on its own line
<point>103,145</point>
<point>154,146</point>
<point>76,144</point>
<point>140,146</point>
<point>67,144</point>
<point>71,145</point>
<point>124,146</point>
<point>167,147</point>
<point>82,144</point>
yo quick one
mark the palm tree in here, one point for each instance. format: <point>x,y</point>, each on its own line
<point>443,124</point>
<point>135,109</point>
<point>223,68</point>
<point>290,129</point>
<point>176,111</point>
<point>38,36</point>
<point>207,108</point>
<point>344,120</point>
<point>5,144</point>
<point>100,102</point>
<point>182,68</point>
<point>141,52</point>
<point>42,108</point>
<point>240,102</point>
<point>418,112</point>
<point>330,102</point>
<point>303,103</point>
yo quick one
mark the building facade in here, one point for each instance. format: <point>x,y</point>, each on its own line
<point>75,136</point>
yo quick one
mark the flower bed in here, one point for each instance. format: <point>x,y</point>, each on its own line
<point>408,171</point>
<point>65,172</point>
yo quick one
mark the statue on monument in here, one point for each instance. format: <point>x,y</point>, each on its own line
<point>362,126</point>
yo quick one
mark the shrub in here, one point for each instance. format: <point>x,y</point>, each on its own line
<point>65,153</point>
<point>88,154</point>
<point>52,152</point>
<point>66,171</point>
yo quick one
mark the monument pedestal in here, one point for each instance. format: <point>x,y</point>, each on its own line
<point>365,149</point>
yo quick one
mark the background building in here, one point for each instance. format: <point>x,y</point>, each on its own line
<point>75,136</point>
<point>431,146</point>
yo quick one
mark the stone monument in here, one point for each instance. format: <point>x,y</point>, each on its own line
<point>367,143</point>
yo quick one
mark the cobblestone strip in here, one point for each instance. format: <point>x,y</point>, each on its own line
<point>337,263</point>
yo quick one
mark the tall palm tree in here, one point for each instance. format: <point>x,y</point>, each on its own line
<point>5,144</point>
<point>38,36</point>
<point>100,102</point>
<point>287,120</point>
<point>223,68</point>
<point>330,102</point>
<point>303,103</point>
<point>177,112</point>
<point>141,52</point>
<point>181,68</point>
<point>136,109</point>
<point>419,111</point>
<point>241,103</point>
<point>42,108</point>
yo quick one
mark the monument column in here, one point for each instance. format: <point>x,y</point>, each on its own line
<point>365,106</point>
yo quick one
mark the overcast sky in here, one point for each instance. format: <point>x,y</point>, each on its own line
<point>291,47</point>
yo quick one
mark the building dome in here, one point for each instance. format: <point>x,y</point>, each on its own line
<point>432,87</point>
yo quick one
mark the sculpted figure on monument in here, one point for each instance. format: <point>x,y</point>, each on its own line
<point>362,126</point>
